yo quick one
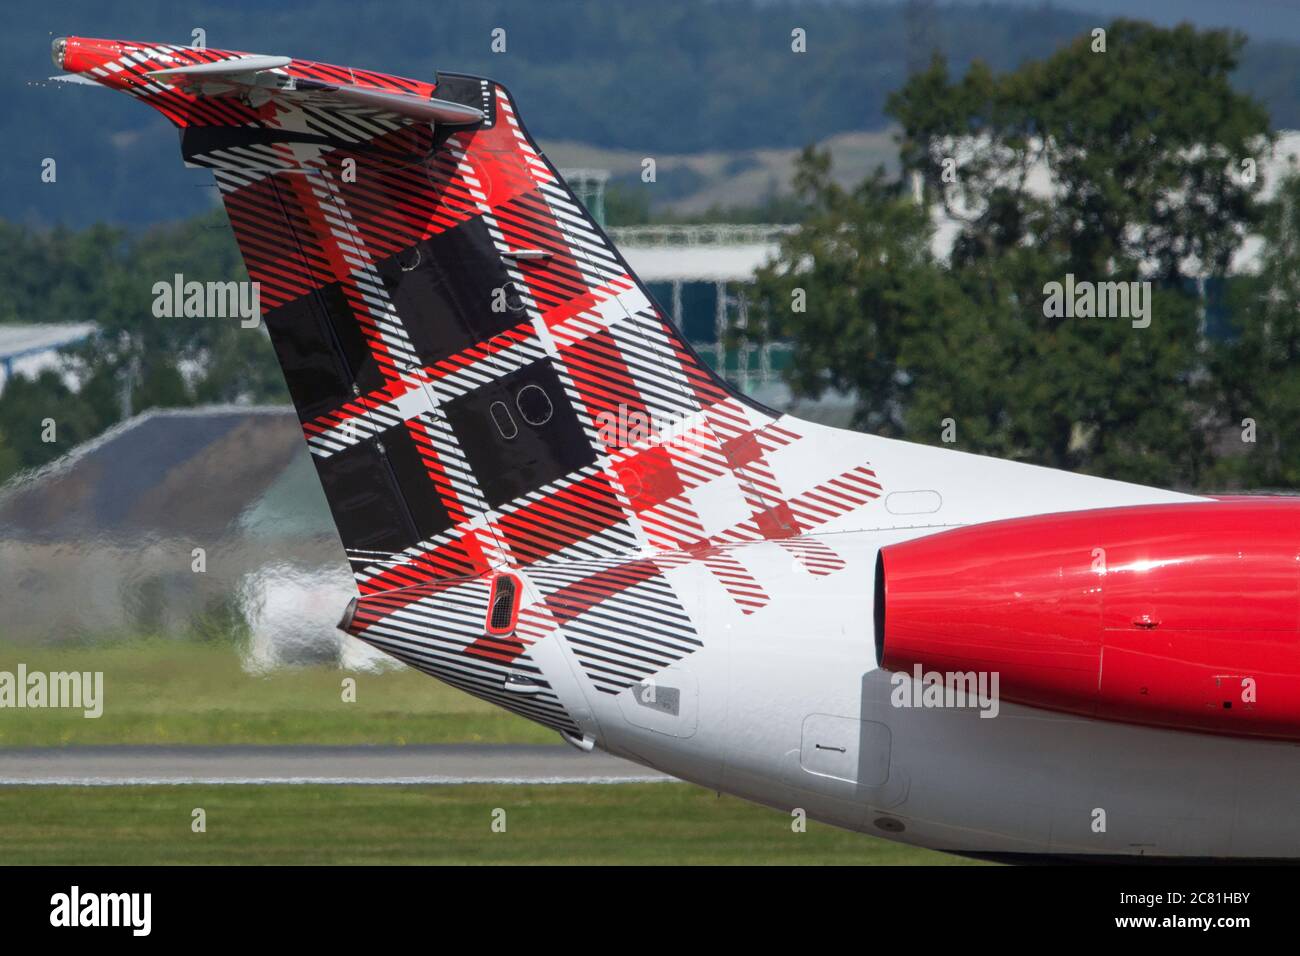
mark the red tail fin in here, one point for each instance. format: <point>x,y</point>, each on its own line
<point>481,379</point>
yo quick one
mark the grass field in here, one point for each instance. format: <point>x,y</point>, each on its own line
<point>626,823</point>
<point>185,693</point>
<point>173,692</point>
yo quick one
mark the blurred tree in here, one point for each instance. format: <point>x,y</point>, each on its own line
<point>845,287</point>
<point>9,461</point>
<point>1256,368</point>
<point>41,419</point>
<point>1144,144</point>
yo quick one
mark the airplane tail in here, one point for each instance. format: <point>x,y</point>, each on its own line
<point>482,381</point>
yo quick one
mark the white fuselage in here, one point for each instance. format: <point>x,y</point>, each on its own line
<point>788,707</point>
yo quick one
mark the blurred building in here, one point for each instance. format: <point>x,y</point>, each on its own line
<point>29,350</point>
<point>198,523</point>
<point>699,273</point>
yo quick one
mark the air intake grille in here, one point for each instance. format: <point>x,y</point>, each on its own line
<point>502,614</point>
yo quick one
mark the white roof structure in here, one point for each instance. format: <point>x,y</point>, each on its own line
<point>29,349</point>
<point>18,341</point>
<point>704,253</point>
<point>707,264</point>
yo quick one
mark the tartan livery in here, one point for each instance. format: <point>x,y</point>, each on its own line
<point>457,335</point>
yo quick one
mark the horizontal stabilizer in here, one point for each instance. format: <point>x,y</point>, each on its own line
<point>254,72</point>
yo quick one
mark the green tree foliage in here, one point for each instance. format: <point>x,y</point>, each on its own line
<point>845,287</point>
<point>41,418</point>
<point>9,460</point>
<point>1256,368</point>
<point>1144,143</point>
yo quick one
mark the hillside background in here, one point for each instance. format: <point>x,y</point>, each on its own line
<point>710,89</point>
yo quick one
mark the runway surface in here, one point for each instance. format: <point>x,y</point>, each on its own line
<point>426,764</point>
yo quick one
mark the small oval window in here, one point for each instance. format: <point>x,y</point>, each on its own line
<point>408,259</point>
<point>504,421</point>
<point>534,404</point>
